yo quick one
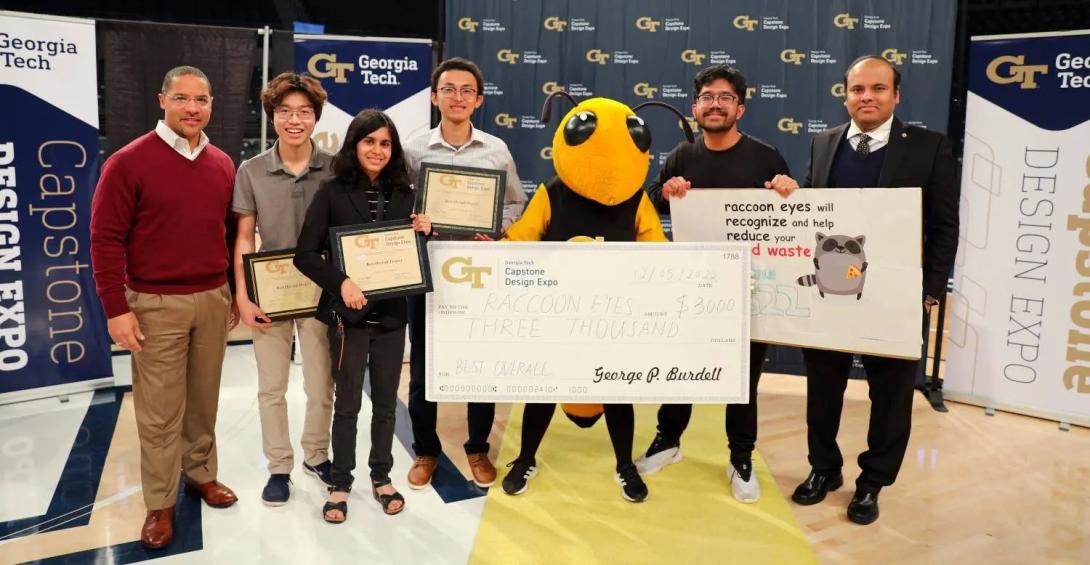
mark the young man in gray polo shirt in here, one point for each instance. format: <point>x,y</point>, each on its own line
<point>456,89</point>
<point>272,192</point>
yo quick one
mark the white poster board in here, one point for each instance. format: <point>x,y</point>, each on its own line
<point>588,322</point>
<point>834,268</point>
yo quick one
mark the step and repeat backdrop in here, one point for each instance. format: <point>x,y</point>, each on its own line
<point>793,56</point>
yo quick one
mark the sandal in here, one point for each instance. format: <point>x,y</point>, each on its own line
<point>387,499</point>
<point>341,507</point>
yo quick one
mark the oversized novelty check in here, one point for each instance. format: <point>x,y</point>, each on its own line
<point>588,322</point>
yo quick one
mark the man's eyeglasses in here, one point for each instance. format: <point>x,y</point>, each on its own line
<point>725,99</point>
<point>183,100</point>
<point>285,114</point>
<point>450,91</point>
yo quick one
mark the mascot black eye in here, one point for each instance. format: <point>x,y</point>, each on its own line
<point>641,135</point>
<point>580,127</point>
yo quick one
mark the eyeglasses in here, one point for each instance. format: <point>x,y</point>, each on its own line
<point>183,100</point>
<point>725,99</point>
<point>285,114</point>
<point>450,91</point>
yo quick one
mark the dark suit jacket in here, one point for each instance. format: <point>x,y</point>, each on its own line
<point>914,157</point>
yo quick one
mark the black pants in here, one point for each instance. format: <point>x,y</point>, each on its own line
<point>423,413</point>
<point>380,350</point>
<point>891,388</point>
<point>620,421</point>
<point>741,418</point>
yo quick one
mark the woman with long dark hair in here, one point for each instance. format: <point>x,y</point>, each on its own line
<point>371,184</point>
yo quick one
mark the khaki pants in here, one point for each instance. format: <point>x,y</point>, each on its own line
<point>176,386</point>
<point>272,348</point>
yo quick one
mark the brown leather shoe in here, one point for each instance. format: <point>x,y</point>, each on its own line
<point>484,473</point>
<point>215,494</point>
<point>158,530</point>
<point>422,470</point>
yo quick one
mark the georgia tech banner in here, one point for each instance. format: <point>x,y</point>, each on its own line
<point>793,55</point>
<point>1020,323</point>
<point>393,75</point>
<point>52,329</point>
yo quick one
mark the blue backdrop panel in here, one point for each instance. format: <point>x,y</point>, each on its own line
<point>793,55</point>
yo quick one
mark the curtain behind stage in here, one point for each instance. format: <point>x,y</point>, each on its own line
<point>135,57</point>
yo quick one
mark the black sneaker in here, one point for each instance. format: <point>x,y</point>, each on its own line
<point>662,452</point>
<point>633,488</point>
<point>323,471</point>
<point>277,490</point>
<point>517,478</point>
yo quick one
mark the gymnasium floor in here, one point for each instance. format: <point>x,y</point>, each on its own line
<point>973,489</point>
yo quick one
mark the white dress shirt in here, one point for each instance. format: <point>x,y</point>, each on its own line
<point>179,143</point>
<point>879,136</point>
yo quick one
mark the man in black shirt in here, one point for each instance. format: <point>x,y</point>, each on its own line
<point>722,157</point>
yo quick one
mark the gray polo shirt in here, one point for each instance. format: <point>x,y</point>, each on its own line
<point>483,150</point>
<point>279,198</point>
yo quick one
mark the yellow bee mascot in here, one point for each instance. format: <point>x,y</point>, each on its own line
<point>600,152</point>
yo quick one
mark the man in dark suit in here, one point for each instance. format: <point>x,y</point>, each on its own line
<point>875,149</point>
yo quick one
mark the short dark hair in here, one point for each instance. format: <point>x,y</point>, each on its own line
<point>182,71</point>
<point>715,72</point>
<point>896,73</point>
<point>346,166</point>
<point>286,83</point>
<point>458,64</point>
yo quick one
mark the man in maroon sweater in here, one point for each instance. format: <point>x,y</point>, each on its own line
<point>160,258</point>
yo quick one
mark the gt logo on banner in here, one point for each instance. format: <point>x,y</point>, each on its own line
<point>551,87</point>
<point>745,22</point>
<point>894,56</point>
<point>596,56</point>
<point>792,56</point>
<point>644,90</point>
<point>507,56</point>
<point>845,21</point>
<point>692,56</point>
<point>553,23</point>
<point>789,125</point>
<point>1016,71</point>
<point>645,23</point>
<point>325,65</point>
<point>467,24</point>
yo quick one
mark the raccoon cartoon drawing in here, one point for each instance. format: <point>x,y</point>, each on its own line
<point>840,265</point>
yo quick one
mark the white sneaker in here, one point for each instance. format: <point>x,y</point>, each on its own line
<point>657,457</point>
<point>744,491</point>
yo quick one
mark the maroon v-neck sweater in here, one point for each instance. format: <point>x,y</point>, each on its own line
<point>159,222</point>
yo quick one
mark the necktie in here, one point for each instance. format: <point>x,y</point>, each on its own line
<point>863,147</point>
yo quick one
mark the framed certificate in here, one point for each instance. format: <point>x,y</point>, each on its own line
<point>386,259</point>
<point>274,284</point>
<point>462,200</point>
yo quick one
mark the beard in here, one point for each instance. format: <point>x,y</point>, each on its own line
<point>726,125</point>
